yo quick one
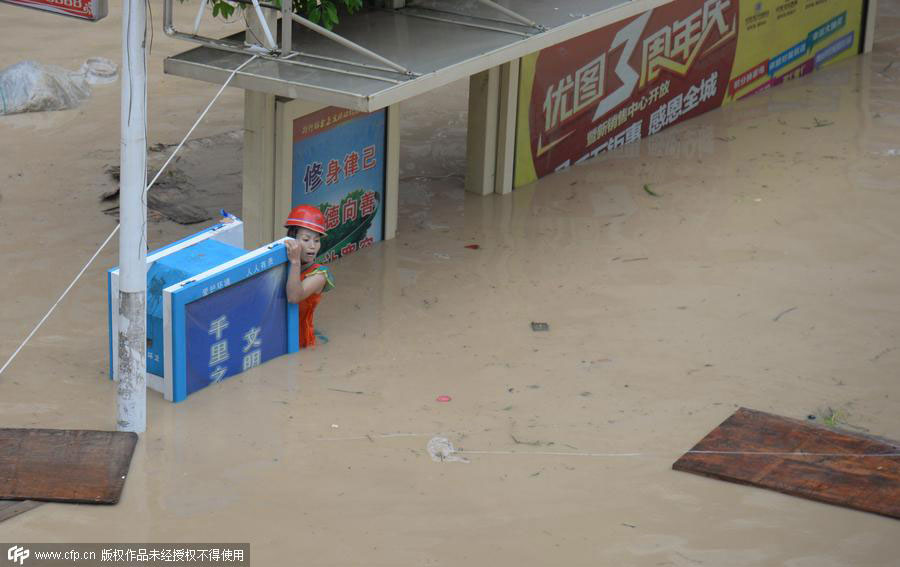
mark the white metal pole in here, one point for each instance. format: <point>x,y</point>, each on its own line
<point>287,26</point>
<point>265,25</point>
<point>132,340</point>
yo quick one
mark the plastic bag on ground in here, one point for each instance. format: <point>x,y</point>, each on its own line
<point>30,86</point>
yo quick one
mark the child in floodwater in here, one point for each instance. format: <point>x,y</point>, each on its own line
<point>307,280</point>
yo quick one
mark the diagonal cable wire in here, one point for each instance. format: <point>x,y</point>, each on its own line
<point>111,234</point>
<point>41,322</point>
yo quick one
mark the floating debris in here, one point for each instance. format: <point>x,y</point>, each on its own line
<point>783,313</point>
<point>441,451</point>
<point>650,191</point>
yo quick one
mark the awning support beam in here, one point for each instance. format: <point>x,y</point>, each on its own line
<point>349,44</point>
<point>286,43</point>
<point>514,15</point>
<point>457,22</point>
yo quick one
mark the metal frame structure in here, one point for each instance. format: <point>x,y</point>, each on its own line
<point>410,58</point>
<point>286,52</point>
<point>464,24</point>
<point>436,52</point>
<point>513,14</point>
<point>520,19</point>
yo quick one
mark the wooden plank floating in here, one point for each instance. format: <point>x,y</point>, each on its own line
<point>61,465</point>
<point>12,508</point>
<point>800,459</point>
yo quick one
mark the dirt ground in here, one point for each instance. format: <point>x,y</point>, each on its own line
<point>663,313</point>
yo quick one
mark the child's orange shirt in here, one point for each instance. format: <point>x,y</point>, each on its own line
<point>308,305</point>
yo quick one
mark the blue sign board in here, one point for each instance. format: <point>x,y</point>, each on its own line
<point>338,165</point>
<point>213,310</point>
<point>228,319</point>
<point>172,269</point>
<point>236,329</point>
<point>168,265</point>
<point>834,49</point>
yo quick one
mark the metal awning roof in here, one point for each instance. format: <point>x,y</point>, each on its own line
<point>437,41</point>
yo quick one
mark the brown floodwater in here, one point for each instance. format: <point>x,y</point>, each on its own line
<point>663,316</point>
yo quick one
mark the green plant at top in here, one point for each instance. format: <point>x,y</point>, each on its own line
<point>322,12</point>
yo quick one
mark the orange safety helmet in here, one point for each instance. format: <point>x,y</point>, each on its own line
<point>306,216</point>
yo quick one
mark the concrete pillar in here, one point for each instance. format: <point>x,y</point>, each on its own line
<point>869,26</point>
<point>258,195</point>
<point>491,135</point>
<point>392,172</point>
<point>481,135</point>
<point>506,127</point>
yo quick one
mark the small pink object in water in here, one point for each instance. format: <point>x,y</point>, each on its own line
<point>444,398</point>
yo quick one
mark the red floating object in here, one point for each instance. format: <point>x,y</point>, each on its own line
<point>444,398</point>
<point>473,246</point>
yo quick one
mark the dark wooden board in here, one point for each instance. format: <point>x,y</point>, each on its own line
<point>62,465</point>
<point>832,470</point>
<point>11,508</point>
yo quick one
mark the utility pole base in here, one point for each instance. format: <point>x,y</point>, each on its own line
<point>132,367</point>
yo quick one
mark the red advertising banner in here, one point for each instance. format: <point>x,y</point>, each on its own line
<point>620,83</point>
<point>624,82</point>
<point>91,10</point>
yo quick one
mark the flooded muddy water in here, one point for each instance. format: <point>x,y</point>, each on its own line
<point>760,270</point>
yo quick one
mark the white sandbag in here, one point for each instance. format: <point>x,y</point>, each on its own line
<point>30,86</point>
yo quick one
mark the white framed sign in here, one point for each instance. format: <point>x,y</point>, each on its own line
<point>91,10</point>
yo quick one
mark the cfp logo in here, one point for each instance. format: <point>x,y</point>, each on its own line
<point>17,554</point>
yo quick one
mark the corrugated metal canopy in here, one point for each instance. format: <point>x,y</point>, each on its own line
<point>438,41</point>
